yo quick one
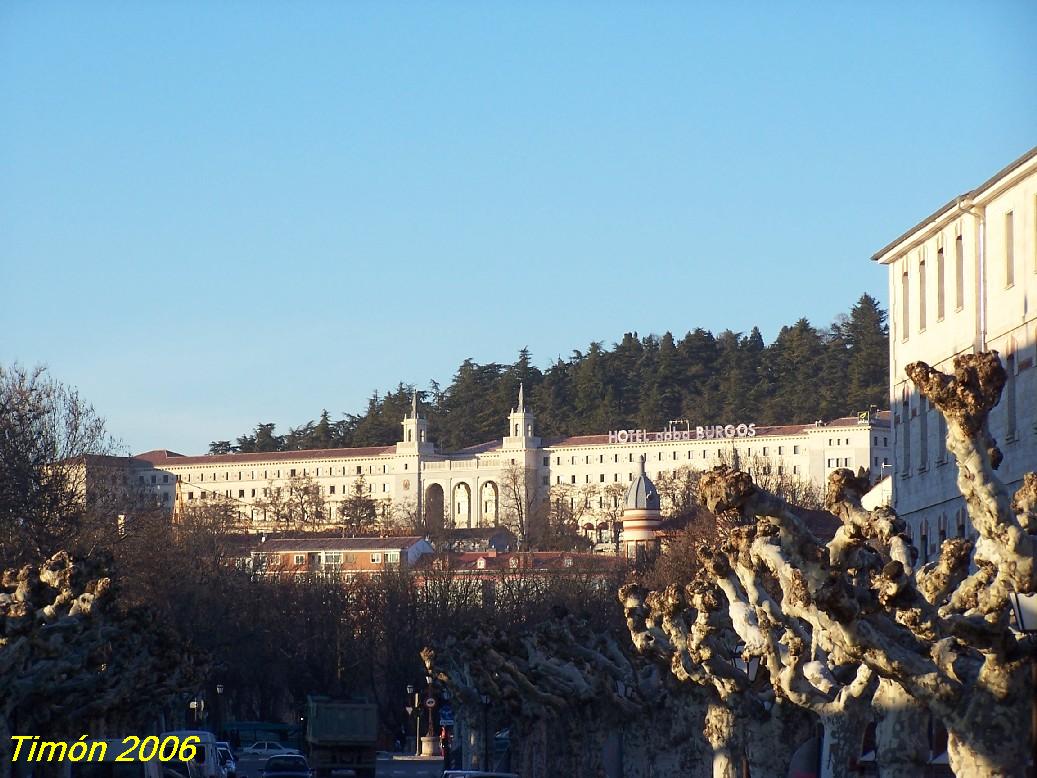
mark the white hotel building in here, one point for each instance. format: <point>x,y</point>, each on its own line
<point>963,280</point>
<point>480,485</point>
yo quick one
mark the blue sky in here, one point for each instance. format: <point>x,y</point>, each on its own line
<point>216,214</point>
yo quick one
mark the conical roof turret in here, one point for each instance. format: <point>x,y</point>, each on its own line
<point>642,494</point>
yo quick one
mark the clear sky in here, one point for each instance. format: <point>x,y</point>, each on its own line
<point>217,214</point>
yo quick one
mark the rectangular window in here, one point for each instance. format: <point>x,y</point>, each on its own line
<point>292,473</point>
<point>392,557</point>
<point>939,285</point>
<point>545,480</point>
<point>241,492</point>
<point>376,558</point>
<point>190,495</point>
<point>923,433</point>
<point>359,470</point>
<point>331,558</point>
<point>959,274</point>
<point>253,492</point>
<point>574,479</point>
<point>165,479</point>
<point>905,314</point>
<point>921,295</point>
<point>331,489</point>
<point>1010,429</point>
<point>601,478</point>
<point>547,461</point>
<point>299,559</point>
<point>1009,249</point>
<point>795,449</point>
<point>905,436</point>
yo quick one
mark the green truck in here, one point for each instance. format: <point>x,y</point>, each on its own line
<point>341,737</point>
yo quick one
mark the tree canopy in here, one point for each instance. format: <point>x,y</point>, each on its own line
<point>806,373</point>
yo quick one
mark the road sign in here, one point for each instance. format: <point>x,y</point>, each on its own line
<point>446,716</point>
<point>430,702</point>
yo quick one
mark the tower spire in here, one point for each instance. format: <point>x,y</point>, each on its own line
<point>414,404</point>
<point>521,404</point>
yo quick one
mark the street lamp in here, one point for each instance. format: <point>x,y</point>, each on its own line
<point>1024,608</point>
<point>219,708</point>
<point>428,698</point>
<point>412,696</point>
<point>485,700</point>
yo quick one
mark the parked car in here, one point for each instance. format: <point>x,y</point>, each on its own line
<point>268,748</point>
<point>206,757</point>
<point>227,760</point>
<point>286,766</point>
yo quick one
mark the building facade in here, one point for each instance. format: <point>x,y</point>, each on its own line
<point>504,482</point>
<point>963,280</point>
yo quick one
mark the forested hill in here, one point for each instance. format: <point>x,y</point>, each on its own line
<point>805,374</point>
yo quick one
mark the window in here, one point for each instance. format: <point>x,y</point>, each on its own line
<point>332,558</point>
<point>1009,249</point>
<point>480,563</point>
<point>939,284</point>
<point>165,479</point>
<point>923,433</point>
<point>1010,430</point>
<point>331,489</point>
<point>392,557</point>
<point>299,559</point>
<point>253,492</point>
<point>376,558</point>
<point>190,495</point>
<point>795,449</point>
<point>905,317</point>
<point>545,480</point>
<point>359,470</point>
<point>154,479</point>
<point>905,434</point>
<point>568,561</point>
<point>241,492</point>
<point>573,478</point>
<point>941,442</point>
<point>547,461</point>
<point>601,478</point>
<point>601,458</point>
<point>385,487</point>
<point>140,478</point>
<point>959,274</point>
<point>921,295</point>
<point>586,460</point>
<point>587,478</point>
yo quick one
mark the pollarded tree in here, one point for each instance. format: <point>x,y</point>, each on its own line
<point>941,631</point>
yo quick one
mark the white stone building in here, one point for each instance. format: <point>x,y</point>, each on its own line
<point>500,481</point>
<point>963,280</point>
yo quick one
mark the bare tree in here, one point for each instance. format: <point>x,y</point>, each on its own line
<point>521,504</point>
<point>298,504</point>
<point>46,430</point>
<point>938,635</point>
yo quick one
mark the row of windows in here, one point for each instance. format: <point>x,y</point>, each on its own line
<point>1008,269</point>
<point>923,533</point>
<point>337,558</point>
<point>292,473</point>
<point>764,451</point>
<point>265,492</point>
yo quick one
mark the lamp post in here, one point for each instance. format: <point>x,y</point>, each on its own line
<point>428,697</point>
<point>218,723</point>
<point>1024,607</point>
<point>485,700</point>
<point>412,697</point>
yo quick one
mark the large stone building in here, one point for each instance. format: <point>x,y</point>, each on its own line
<point>508,480</point>
<point>963,280</point>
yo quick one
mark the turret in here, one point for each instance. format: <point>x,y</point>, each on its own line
<point>641,518</point>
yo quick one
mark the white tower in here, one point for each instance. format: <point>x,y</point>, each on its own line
<point>415,432</point>
<point>520,426</point>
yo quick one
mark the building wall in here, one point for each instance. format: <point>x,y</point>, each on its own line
<point>984,298</point>
<point>478,485</point>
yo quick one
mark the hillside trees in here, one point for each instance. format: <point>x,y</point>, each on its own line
<point>806,373</point>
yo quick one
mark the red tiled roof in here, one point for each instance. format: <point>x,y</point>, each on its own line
<point>882,418</point>
<point>162,457</point>
<point>282,545</point>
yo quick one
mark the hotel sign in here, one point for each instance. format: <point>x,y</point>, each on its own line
<point>708,432</point>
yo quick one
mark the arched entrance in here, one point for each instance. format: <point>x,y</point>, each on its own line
<point>489,504</point>
<point>434,508</point>
<point>462,505</point>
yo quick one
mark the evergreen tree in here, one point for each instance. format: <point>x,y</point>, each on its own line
<point>867,338</point>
